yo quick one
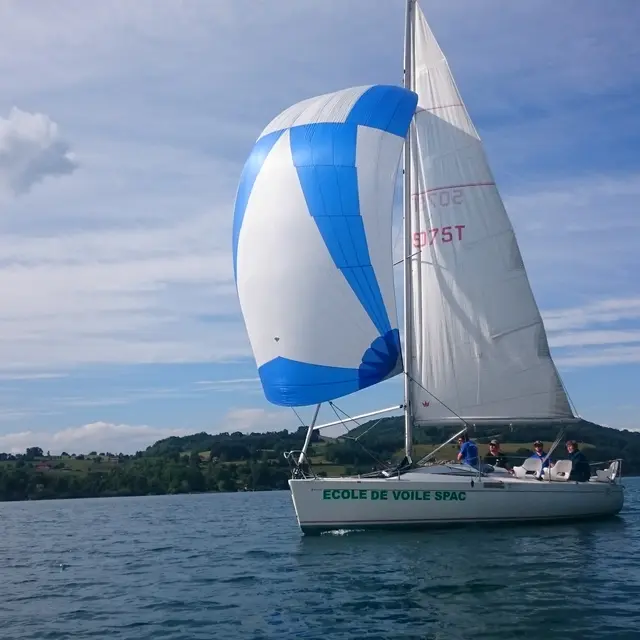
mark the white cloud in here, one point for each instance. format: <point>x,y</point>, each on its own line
<point>103,436</point>
<point>130,261</point>
<point>30,150</point>
<point>20,414</point>
<point>194,392</point>
<point>232,381</point>
<point>160,295</point>
<point>260,34</point>
<point>599,357</point>
<point>79,395</point>
<point>97,436</point>
<point>571,249</point>
<point>592,314</point>
<point>588,338</point>
<point>32,376</point>
<point>235,385</point>
<point>578,339</point>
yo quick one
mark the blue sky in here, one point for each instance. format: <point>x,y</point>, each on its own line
<point>123,130</point>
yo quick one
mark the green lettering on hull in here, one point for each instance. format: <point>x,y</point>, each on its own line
<point>396,494</point>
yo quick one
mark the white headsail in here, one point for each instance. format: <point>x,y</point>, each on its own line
<point>312,245</point>
<point>478,344</point>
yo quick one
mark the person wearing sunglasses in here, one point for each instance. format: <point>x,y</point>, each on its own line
<point>495,457</point>
<point>539,454</point>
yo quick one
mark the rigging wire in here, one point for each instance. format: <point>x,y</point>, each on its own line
<point>336,408</point>
<point>302,424</point>
<point>438,400</point>
<point>356,440</point>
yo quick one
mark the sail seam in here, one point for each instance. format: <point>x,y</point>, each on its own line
<point>455,186</point>
<point>444,106</point>
<point>507,332</point>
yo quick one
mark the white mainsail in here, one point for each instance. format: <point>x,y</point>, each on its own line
<point>478,341</point>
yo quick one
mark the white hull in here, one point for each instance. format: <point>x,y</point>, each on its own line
<point>423,498</point>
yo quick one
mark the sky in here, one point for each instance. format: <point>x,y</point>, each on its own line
<point>123,130</point>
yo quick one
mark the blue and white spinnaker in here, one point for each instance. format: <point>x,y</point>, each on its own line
<point>312,249</point>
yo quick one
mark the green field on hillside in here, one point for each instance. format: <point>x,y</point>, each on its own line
<point>238,461</point>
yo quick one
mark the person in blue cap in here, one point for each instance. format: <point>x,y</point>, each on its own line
<point>468,451</point>
<point>539,454</point>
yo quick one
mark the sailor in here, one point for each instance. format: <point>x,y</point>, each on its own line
<point>468,451</point>
<point>580,469</point>
<point>539,454</point>
<point>495,457</point>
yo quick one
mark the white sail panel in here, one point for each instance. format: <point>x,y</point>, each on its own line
<point>479,344</point>
<point>330,107</point>
<point>312,245</point>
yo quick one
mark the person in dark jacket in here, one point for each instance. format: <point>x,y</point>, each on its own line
<point>495,457</point>
<point>580,469</point>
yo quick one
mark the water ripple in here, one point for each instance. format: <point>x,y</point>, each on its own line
<point>235,566</point>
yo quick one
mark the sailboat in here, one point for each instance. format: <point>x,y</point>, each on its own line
<point>313,265</point>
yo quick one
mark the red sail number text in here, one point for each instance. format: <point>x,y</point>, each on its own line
<point>438,235</point>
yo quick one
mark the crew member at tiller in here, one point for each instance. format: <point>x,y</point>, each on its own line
<point>468,451</point>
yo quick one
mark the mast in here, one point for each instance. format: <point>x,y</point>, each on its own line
<point>407,245</point>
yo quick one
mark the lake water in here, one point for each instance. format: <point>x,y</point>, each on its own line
<point>236,566</point>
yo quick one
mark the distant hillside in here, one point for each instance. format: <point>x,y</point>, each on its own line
<point>375,446</point>
<point>232,446</point>
<point>583,431</point>
<point>196,463</point>
<point>600,443</point>
<point>238,461</point>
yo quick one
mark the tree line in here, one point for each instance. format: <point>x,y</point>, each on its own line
<point>137,475</point>
<point>197,463</point>
<point>238,462</point>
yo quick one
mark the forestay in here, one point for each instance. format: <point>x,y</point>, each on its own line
<point>479,344</point>
<point>312,244</point>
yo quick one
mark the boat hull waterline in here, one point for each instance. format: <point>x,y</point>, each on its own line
<point>326,504</point>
